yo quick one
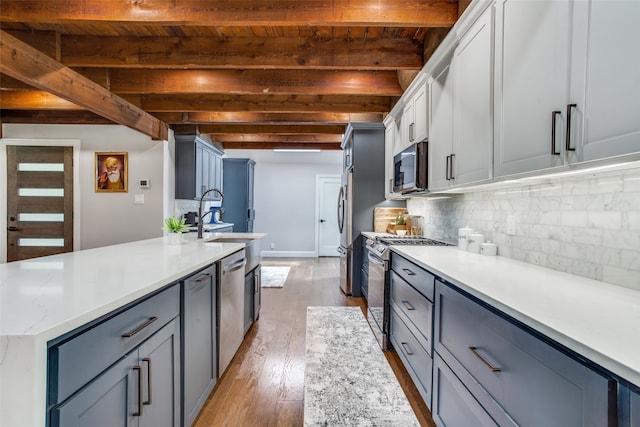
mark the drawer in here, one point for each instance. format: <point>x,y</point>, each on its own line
<point>453,405</point>
<point>417,311</point>
<point>418,277</point>
<point>413,356</point>
<point>508,368</point>
<point>76,361</point>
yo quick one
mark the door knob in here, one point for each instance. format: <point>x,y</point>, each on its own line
<point>12,228</point>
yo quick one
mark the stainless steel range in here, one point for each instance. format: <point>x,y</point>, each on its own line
<point>378,254</point>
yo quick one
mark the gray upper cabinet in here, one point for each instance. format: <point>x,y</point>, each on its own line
<point>238,193</point>
<point>604,79</point>
<point>198,167</point>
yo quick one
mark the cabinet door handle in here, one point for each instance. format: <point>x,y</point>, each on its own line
<point>256,283</point>
<point>139,328</point>
<point>203,278</point>
<point>406,348</point>
<point>409,272</point>
<point>474,350</point>
<point>554,115</point>
<point>408,306</point>
<point>446,173</point>
<point>411,136</point>
<point>139,369</point>
<point>452,157</point>
<point>570,107</point>
<point>147,360</point>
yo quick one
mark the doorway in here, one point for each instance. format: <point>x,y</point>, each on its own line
<point>38,211</point>
<point>327,234</point>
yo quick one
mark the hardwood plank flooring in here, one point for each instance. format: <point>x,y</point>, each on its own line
<point>264,384</point>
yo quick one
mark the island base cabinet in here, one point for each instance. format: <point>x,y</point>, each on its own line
<point>629,406</point>
<point>453,405</point>
<point>142,389</point>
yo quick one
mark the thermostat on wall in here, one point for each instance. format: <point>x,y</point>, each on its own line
<point>144,183</point>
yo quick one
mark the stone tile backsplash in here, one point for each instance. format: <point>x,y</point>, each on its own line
<point>587,225</point>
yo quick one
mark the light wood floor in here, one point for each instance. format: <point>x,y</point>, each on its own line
<point>264,383</point>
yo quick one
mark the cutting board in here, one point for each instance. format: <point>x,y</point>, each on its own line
<point>383,216</point>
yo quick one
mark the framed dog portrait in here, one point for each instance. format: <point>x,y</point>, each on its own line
<point>111,172</point>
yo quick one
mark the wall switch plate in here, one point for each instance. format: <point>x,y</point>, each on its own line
<point>138,199</point>
<point>511,225</point>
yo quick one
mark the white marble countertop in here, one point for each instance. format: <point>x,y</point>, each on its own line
<point>43,298</point>
<point>209,226</point>
<point>596,320</point>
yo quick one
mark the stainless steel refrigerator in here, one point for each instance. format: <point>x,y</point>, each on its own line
<point>362,190</point>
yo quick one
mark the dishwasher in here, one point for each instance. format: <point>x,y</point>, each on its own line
<point>231,308</point>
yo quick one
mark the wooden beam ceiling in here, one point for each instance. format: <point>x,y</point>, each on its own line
<point>246,73</point>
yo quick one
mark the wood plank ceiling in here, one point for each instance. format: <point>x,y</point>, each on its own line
<point>251,74</point>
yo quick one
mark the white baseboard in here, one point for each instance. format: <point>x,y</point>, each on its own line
<point>289,254</point>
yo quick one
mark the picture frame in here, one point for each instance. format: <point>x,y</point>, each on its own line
<point>111,172</point>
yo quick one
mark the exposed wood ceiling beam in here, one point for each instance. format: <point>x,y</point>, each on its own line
<point>271,129</point>
<point>385,13</point>
<point>247,53</point>
<point>22,62</point>
<point>268,118</point>
<point>275,138</point>
<point>52,117</point>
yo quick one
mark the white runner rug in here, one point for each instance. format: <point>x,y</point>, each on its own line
<point>274,276</point>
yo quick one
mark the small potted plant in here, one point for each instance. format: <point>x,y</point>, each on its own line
<point>175,227</point>
<point>401,225</point>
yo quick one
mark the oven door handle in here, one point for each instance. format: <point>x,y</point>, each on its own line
<point>374,259</point>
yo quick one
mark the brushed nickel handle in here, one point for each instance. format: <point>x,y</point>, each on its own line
<point>147,360</point>
<point>203,278</point>
<point>408,306</point>
<point>474,350</point>
<point>139,369</point>
<point>139,328</point>
<point>554,115</point>
<point>256,283</point>
<point>452,157</point>
<point>406,348</point>
<point>409,272</point>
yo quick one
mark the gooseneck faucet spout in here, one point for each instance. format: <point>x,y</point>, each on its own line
<point>200,216</point>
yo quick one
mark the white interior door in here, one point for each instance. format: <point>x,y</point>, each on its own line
<point>327,234</point>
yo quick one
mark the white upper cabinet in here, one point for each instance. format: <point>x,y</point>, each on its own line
<point>461,128</point>
<point>532,69</point>
<point>390,143</point>
<point>605,79</point>
<point>414,116</point>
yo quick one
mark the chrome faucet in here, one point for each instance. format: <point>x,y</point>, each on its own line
<point>200,216</point>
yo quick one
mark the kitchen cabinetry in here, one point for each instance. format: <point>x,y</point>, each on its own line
<point>498,362</point>
<point>391,143</point>
<point>414,115</point>
<point>629,406</point>
<point>198,168</point>
<point>364,270</point>
<point>200,363</point>
<point>461,138</point>
<point>238,193</point>
<point>121,370</point>
<point>252,296</point>
<point>411,320</point>
<point>567,94</point>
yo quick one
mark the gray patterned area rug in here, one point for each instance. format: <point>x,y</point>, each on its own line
<point>274,276</point>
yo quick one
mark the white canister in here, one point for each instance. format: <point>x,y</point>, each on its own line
<point>463,236</point>
<point>488,248</point>
<point>474,241</point>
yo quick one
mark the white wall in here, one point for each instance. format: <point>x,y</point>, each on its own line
<point>113,217</point>
<point>586,225</point>
<point>285,197</point>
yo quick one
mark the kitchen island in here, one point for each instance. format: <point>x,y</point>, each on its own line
<point>44,298</point>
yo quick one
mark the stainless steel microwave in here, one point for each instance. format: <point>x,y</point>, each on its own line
<point>410,169</point>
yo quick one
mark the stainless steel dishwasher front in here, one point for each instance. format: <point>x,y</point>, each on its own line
<point>231,307</point>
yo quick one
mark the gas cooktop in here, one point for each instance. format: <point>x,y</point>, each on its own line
<point>410,240</point>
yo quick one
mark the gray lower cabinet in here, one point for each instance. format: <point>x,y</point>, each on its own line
<point>142,389</point>
<point>515,376</point>
<point>252,297</point>
<point>629,406</point>
<point>411,321</point>
<point>200,360</point>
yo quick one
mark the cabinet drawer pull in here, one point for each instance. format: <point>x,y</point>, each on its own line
<point>139,328</point>
<point>554,115</point>
<point>570,107</point>
<point>203,278</point>
<point>406,348</point>
<point>139,369</point>
<point>147,360</point>
<point>409,272</point>
<point>408,306</point>
<point>474,350</point>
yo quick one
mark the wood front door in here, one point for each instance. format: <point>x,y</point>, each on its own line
<point>39,201</point>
